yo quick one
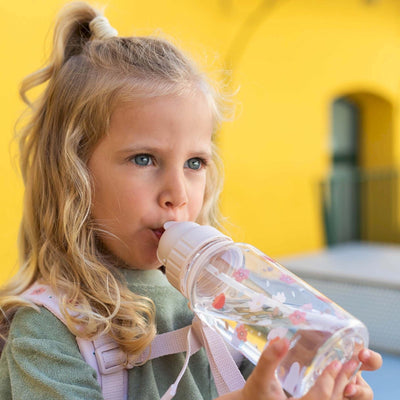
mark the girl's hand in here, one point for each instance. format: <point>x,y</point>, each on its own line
<point>358,389</point>
<point>332,384</point>
<point>263,384</point>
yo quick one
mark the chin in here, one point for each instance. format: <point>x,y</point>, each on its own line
<point>144,265</point>
<point>149,267</point>
<point>129,262</point>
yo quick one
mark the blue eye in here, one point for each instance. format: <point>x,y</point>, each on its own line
<point>194,163</point>
<point>143,160</point>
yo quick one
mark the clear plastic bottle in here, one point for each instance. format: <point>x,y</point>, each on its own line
<point>250,300</point>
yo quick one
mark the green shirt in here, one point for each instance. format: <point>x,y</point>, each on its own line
<point>41,359</point>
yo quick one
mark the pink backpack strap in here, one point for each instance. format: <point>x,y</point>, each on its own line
<point>226,373</point>
<point>109,361</point>
<point>42,295</point>
<point>170,343</point>
<point>102,354</point>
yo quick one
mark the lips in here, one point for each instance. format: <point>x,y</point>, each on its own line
<point>158,232</point>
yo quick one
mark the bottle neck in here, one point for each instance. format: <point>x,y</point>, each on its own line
<point>198,261</point>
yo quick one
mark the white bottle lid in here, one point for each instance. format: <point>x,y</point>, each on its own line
<point>179,242</point>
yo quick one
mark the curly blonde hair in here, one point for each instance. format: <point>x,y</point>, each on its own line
<point>86,77</point>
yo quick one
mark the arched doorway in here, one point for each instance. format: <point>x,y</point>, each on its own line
<point>360,195</point>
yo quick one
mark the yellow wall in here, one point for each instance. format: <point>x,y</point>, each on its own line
<point>302,56</point>
<point>290,59</point>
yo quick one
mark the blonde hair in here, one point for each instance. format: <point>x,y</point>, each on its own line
<point>87,76</point>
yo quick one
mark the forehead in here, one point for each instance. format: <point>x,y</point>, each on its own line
<point>168,123</point>
<point>172,113</point>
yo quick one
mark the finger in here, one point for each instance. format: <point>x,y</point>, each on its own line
<point>271,357</point>
<point>262,382</point>
<point>325,384</point>
<point>350,390</point>
<point>359,390</point>
<point>371,360</point>
<point>344,377</point>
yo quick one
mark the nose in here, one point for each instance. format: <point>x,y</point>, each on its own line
<point>174,191</point>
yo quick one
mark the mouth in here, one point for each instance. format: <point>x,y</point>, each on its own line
<point>158,232</point>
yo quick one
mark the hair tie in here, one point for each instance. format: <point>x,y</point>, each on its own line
<point>101,28</point>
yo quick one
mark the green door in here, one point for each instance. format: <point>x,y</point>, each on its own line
<point>342,207</point>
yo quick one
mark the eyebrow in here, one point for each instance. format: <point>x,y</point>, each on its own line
<point>156,150</point>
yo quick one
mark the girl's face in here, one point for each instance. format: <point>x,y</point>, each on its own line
<point>149,169</point>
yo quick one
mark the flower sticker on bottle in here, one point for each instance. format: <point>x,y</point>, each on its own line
<point>298,317</point>
<point>287,279</point>
<point>241,333</point>
<point>294,376</point>
<point>219,301</point>
<point>256,303</point>
<point>280,296</point>
<point>241,274</point>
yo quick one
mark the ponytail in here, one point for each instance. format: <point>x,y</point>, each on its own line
<point>71,32</point>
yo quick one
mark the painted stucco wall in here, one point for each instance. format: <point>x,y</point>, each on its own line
<point>289,59</point>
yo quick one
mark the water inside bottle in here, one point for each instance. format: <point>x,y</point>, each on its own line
<point>310,350</point>
<point>251,306</point>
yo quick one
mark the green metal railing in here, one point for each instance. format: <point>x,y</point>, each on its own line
<point>361,205</point>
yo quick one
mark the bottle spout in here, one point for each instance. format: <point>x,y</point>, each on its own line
<point>174,231</point>
<point>168,224</point>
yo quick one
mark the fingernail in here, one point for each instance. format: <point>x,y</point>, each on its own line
<point>276,343</point>
<point>366,354</point>
<point>281,344</point>
<point>275,339</point>
<point>353,364</point>
<point>336,365</point>
<point>350,391</point>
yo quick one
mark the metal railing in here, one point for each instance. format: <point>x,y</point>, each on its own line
<point>361,205</point>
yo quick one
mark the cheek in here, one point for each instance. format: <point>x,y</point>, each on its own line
<point>197,199</point>
<point>113,198</point>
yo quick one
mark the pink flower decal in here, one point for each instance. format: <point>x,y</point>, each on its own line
<point>241,332</point>
<point>298,317</point>
<point>241,274</point>
<point>287,279</point>
<point>38,291</point>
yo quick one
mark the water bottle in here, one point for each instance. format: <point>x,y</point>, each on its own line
<point>251,300</point>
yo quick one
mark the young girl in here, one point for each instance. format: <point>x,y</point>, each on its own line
<point>120,141</point>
